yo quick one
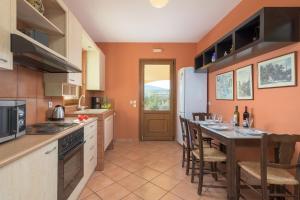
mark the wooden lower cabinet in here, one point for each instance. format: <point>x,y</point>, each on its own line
<point>34,176</point>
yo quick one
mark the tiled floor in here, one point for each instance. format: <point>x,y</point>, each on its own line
<point>147,170</point>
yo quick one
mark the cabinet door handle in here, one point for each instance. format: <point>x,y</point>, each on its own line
<point>92,126</point>
<point>92,137</point>
<point>92,158</point>
<point>3,60</point>
<point>72,80</point>
<point>50,151</point>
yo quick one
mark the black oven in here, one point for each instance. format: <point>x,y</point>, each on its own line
<point>70,163</point>
<point>12,119</point>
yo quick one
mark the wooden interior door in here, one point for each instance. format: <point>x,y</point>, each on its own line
<point>157,99</point>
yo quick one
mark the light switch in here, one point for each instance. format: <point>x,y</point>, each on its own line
<point>50,104</point>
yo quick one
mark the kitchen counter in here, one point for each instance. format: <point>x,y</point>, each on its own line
<point>105,130</point>
<point>91,112</point>
<point>15,149</point>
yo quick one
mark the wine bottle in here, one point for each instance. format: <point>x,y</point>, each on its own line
<point>245,117</point>
<point>236,116</point>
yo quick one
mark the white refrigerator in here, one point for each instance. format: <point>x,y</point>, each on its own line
<point>191,95</point>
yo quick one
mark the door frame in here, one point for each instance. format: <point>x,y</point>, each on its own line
<point>173,104</point>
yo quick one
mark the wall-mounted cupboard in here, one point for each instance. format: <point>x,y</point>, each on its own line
<point>55,30</point>
<point>269,29</point>
<point>74,42</point>
<point>95,72</point>
<point>5,30</point>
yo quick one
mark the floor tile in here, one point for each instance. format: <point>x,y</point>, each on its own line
<point>132,166</point>
<point>159,175</point>
<point>132,182</point>
<point>186,191</point>
<point>98,182</point>
<point>170,196</point>
<point>113,192</point>
<point>116,173</point>
<point>176,171</point>
<point>132,197</point>
<point>92,197</point>
<point>150,191</point>
<point>161,166</point>
<point>147,173</point>
<point>85,192</point>
<point>165,182</point>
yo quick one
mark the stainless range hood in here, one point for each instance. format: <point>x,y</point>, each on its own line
<point>31,55</point>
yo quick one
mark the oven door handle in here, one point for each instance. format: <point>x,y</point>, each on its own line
<point>71,152</point>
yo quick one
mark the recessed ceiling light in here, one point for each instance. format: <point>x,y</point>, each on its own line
<point>159,3</point>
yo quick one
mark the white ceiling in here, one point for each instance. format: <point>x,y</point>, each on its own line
<point>138,21</point>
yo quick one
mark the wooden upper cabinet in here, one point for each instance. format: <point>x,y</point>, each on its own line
<point>74,42</point>
<point>5,30</point>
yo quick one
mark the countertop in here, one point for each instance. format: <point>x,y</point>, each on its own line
<point>15,149</point>
<point>91,112</point>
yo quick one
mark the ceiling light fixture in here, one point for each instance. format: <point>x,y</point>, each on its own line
<point>159,3</point>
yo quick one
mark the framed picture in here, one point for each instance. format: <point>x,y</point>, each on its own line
<point>244,83</point>
<point>224,86</point>
<point>277,72</point>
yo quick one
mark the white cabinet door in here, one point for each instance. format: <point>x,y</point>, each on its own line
<point>5,30</point>
<point>74,43</point>
<point>75,79</point>
<point>102,71</point>
<point>31,177</point>
<point>95,70</point>
<point>108,130</point>
<point>90,148</point>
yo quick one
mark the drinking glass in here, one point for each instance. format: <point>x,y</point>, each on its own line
<point>220,118</point>
<point>214,117</point>
<point>249,122</point>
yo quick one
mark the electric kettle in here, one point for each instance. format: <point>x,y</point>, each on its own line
<point>58,113</point>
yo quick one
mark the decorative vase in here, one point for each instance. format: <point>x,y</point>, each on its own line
<point>38,5</point>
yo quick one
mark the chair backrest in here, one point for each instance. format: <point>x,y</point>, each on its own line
<point>284,149</point>
<point>200,116</point>
<point>196,137</point>
<point>184,130</point>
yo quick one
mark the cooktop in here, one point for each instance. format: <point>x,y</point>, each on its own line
<point>48,128</point>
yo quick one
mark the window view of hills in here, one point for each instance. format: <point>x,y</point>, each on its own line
<point>157,95</point>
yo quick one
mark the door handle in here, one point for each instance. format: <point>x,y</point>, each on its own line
<point>50,151</point>
<point>3,60</point>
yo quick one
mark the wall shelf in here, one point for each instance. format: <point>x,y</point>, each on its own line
<point>269,29</point>
<point>29,15</point>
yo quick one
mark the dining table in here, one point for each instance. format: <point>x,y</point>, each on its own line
<point>230,136</point>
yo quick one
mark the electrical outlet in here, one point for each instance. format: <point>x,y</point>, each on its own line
<point>50,104</point>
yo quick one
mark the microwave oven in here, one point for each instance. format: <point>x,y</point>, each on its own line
<point>12,119</point>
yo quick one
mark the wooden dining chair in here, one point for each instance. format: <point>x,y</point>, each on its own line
<point>186,150</point>
<point>202,155</point>
<point>275,174</point>
<point>200,116</point>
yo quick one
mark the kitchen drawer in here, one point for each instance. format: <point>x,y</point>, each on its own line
<point>90,129</point>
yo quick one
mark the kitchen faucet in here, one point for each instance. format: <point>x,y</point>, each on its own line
<point>79,107</point>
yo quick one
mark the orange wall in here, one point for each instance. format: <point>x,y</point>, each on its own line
<point>122,77</point>
<point>274,109</point>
